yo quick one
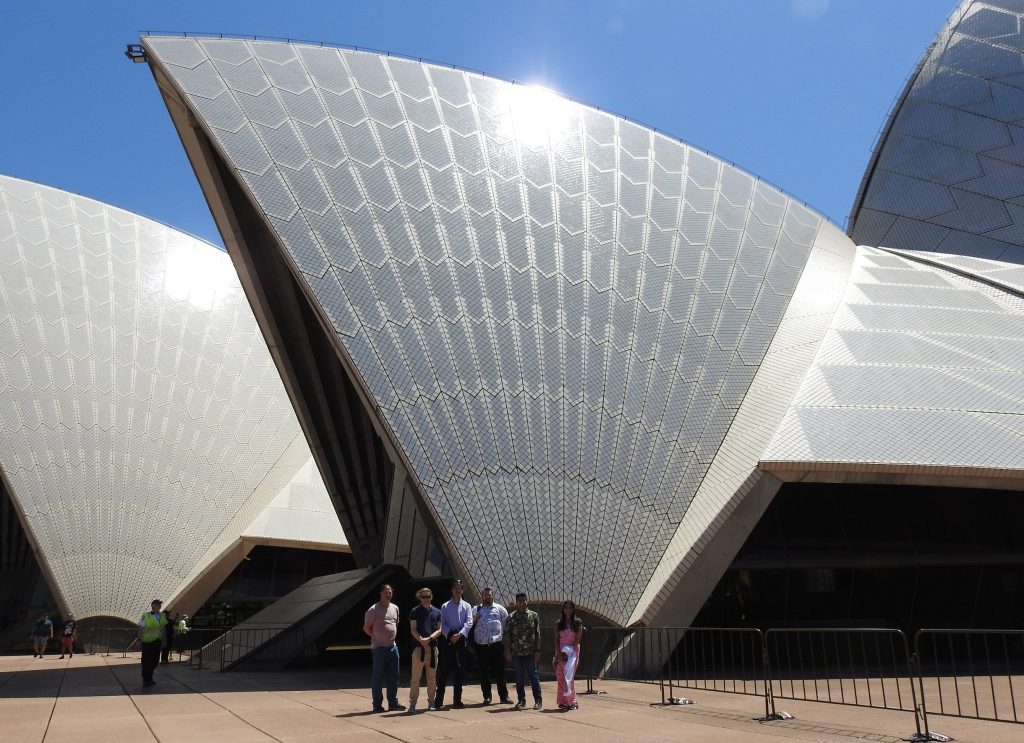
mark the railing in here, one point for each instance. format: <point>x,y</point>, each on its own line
<point>283,644</point>
<point>713,659</point>
<point>964,673</point>
<point>123,640</point>
<point>200,647</point>
<point>716,659</point>
<point>108,640</point>
<point>859,667</point>
<point>189,646</point>
<point>972,673</point>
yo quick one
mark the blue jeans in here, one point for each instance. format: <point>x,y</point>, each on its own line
<point>524,666</point>
<point>385,670</point>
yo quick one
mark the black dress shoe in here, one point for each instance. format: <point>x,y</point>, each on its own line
<point>506,700</point>
<point>396,708</point>
<point>378,709</point>
<point>487,700</point>
<point>458,705</point>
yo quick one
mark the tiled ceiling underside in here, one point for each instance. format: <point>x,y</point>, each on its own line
<point>557,311</point>
<point>140,411</point>
<point>921,366</point>
<point>949,172</point>
<point>301,513</point>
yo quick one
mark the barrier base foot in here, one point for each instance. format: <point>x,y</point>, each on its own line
<point>775,716</point>
<point>593,691</point>
<point>925,737</point>
<point>673,701</point>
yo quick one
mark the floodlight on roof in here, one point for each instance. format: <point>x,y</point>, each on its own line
<point>135,53</point>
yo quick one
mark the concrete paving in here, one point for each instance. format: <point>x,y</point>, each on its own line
<point>96,698</point>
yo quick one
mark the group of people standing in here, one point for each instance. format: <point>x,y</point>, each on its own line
<point>443,637</point>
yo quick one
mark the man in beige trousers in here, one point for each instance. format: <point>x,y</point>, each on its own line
<point>425,626</point>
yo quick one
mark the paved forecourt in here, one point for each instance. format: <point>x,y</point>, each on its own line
<point>92,698</point>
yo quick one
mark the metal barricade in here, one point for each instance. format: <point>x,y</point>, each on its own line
<point>621,655</point>
<point>972,673</point>
<point>714,659</point>
<point>964,673</point>
<point>858,667</point>
<point>107,640</point>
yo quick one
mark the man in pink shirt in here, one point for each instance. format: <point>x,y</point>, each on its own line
<point>381,625</point>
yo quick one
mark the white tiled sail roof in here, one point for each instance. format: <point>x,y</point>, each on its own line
<point>948,172</point>
<point>141,416</point>
<point>557,312</point>
<point>922,367</point>
<point>301,514</point>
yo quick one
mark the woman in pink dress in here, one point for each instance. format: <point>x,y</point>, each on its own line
<point>567,656</point>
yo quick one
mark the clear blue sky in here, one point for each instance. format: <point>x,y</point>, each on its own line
<point>793,91</point>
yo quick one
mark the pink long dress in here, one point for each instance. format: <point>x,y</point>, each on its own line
<point>566,672</point>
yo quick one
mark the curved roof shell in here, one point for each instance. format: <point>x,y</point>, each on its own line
<point>142,420</point>
<point>926,353</point>
<point>947,174</point>
<point>555,313</point>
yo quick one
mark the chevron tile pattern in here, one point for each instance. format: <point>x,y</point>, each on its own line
<point>557,311</point>
<point>140,411</point>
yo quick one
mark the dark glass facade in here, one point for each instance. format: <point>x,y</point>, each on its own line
<point>23,590</point>
<point>878,556</point>
<point>265,575</point>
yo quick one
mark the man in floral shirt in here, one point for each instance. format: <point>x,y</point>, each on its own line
<point>523,632</point>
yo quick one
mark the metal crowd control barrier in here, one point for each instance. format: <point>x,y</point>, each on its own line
<point>714,659</point>
<point>123,639</point>
<point>858,667</point>
<point>108,640</point>
<point>971,673</point>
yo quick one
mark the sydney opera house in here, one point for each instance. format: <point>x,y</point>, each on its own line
<point>472,329</point>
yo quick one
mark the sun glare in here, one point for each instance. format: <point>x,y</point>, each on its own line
<point>195,273</point>
<point>536,114</point>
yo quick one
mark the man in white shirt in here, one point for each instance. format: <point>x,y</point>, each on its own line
<point>489,622</point>
<point>456,620</point>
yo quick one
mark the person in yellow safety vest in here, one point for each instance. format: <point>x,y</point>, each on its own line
<point>151,635</point>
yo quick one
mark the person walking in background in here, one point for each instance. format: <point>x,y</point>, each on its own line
<point>425,626</point>
<point>41,632</point>
<point>381,625</point>
<point>567,656</point>
<point>165,649</point>
<point>488,636</point>
<point>523,634</point>
<point>456,620</point>
<point>67,637</point>
<point>151,635</point>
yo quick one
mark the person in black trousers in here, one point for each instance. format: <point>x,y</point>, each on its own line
<point>165,650</point>
<point>489,622</point>
<point>151,633</point>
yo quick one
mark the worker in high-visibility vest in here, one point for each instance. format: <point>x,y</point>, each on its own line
<point>151,635</point>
